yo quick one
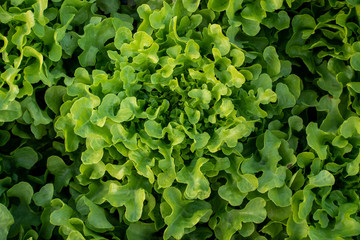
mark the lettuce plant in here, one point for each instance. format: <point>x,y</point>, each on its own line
<point>182,119</point>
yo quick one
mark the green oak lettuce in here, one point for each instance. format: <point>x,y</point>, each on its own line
<point>152,119</point>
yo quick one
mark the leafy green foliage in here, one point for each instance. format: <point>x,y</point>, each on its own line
<point>184,119</point>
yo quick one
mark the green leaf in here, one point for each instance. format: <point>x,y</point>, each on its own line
<point>276,213</point>
<point>228,225</point>
<point>4,137</point>
<point>297,230</point>
<point>316,139</point>
<point>144,12</point>
<point>35,72</point>
<point>218,6</point>
<point>59,34</point>
<point>153,129</point>
<point>25,157</point>
<point>143,162</point>
<point>62,172</point>
<point>54,97</point>
<point>111,108</point>
<point>119,171</point>
<point>350,127</point>
<point>271,5</point>
<point>23,215</point>
<point>185,214</point>
<point>345,225</point>
<point>61,214</point>
<point>131,195</point>
<point>75,235</point>
<point>303,26</point>
<point>123,35</point>
<point>324,178</point>
<point>191,5</point>
<point>192,114</point>
<point>96,218</point>
<point>44,196</point>
<point>10,112</point>
<point>328,81</point>
<point>90,172</point>
<point>200,141</point>
<point>37,115</point>
<point>192,50</point>
<point>140,230</point>
<point>273,176</point>
<point>108,6</point>
<point>355,61</point>
<point>353,167</point>
<point>158,18</point>
<point>200,95</point>
<point>280,196</point>
<point>231,192</point>
<point>253,11</point>
<point>247,183</point>
<point>237,78</point>
<point>272,59</point>
<point>6,220</point>
<point>91,156</point>
<point>272,229</point>
<point>93,40</point>
<point>213,34</point>
<point>285,98</point>
<point>197,184</point>
<point>65,125</point>
<point>254,211</point>
<point>280,20</point>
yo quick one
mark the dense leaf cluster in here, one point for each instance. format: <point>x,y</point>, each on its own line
<point>184,119</point>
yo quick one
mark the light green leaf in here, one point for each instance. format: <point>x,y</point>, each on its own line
<point>254,211</point>
<point>350,127</point>
<point>131,195</point>
<point>143,162</point>
<point>280,196</point>
<point>197,184</point>
<point>61,214</point>
<point>228,225</point>
<point>192,114</point>
<point>91,156</point>
<point>271,5</point>
<point>323,179</point>
<point>185,214</point>
<point>297,230</point>
<point>247,183</point>
<point>213,34</point>
<point>218,6</point>
<point>119,171</point>
<point>123,35</point>
<point>316,139</point>
<point>153,129</point>
<point>200,141</point>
